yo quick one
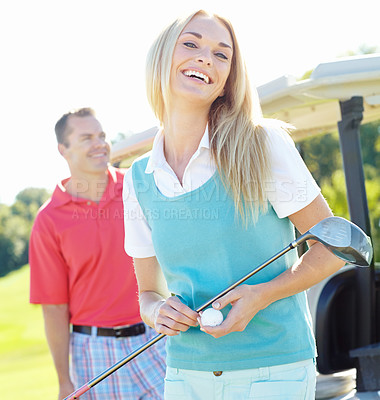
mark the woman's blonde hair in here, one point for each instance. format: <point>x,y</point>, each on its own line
<point>238,141</point>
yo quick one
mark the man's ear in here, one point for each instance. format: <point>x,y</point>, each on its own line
<point>62,149</point>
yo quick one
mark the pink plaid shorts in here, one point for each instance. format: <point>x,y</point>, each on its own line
<point>142,378</point>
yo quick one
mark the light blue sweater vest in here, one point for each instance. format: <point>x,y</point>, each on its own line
<point>203,248</point>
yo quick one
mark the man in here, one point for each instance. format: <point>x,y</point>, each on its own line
<point>82,276</point>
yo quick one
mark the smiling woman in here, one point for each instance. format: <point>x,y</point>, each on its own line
<point>215,154</point>
<point>202,58</point>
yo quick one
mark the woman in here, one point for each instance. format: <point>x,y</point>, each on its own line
<point>221,192</point>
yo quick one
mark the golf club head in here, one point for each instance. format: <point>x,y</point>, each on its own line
<point>344,239</point>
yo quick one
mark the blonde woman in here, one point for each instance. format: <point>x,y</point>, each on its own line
<point>221,192</point>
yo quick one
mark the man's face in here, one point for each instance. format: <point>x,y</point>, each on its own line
<point>86,149</point>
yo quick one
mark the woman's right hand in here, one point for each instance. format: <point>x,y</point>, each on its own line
<point>173,317</point>
<point>158,309</point>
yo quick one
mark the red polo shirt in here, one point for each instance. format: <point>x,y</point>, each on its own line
<point>77,256</point>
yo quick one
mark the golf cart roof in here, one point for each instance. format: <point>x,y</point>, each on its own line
<point>311,105</point>
<point>132,146</point>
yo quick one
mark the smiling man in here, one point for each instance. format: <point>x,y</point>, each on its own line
<point>82,276</point>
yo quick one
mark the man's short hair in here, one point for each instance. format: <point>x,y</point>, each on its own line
<point>62,129</point>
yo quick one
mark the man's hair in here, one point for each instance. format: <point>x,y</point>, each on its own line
<point>62,129</point>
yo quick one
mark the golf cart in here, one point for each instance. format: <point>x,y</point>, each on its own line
<point>346,306</point>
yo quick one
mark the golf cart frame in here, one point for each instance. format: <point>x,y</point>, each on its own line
<point>348,309</point>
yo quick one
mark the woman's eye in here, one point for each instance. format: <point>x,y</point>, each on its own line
<point>221,55</point>
<point>191,45</point>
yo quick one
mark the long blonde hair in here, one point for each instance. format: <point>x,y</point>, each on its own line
<point>238,141</point>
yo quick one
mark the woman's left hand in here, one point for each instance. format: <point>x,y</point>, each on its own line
<point>246,302</point>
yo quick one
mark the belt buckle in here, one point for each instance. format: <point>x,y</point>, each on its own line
<point>117,333</point>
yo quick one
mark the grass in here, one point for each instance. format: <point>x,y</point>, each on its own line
<point>26,368</point>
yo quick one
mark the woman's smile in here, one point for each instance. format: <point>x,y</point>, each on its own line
<point>201,61</point>
<point>197,75</point>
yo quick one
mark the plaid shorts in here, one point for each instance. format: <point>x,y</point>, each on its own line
<point>142,378</point>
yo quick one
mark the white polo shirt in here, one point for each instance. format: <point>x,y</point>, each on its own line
<point>291,188</point>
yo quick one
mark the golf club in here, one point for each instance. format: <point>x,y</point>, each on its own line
<point>343,238</point>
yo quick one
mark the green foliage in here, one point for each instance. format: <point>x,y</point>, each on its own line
<point>370,144</point>
<point>334,190</point>
<point>323,158</point>
<point>28,201</point>
<point>15,226</point>
<point>322,155</point>
<point>306,75</point>
<point>362,50</point>
<point>372,184</point>
<point>121,136</point>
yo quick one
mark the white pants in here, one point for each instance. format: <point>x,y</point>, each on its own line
<point>293,381</point>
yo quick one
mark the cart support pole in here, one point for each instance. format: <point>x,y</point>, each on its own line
<point>349,133</point>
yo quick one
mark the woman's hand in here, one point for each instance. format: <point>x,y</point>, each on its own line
<point>173,317</point>
<point>246,302</point>
<point>161,311</point>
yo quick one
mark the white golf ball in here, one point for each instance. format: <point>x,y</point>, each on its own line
<point>211,317</point>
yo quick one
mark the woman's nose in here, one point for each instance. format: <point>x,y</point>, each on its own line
<point>204,57</point>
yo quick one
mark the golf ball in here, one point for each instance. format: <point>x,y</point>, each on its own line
<point>211,317</point>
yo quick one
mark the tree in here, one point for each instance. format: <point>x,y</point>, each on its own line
<point>322,156</point>
<point>362,50</point>
<point>28,201</point>
<point>15,226</point>
<point>370,144</point>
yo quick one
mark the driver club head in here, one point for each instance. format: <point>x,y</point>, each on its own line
<point>344,239</point>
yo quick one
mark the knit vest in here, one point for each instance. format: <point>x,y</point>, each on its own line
<point>203,247</point>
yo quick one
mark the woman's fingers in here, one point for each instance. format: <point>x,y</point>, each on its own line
<point>173,317</point>
<point>185,314</point>
<point>246,301</point>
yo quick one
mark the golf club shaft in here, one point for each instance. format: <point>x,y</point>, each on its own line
<point>87,386</point>
<point>154,340</point>
<point>240,281</point>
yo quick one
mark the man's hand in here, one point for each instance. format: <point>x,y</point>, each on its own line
<point>65,389</point>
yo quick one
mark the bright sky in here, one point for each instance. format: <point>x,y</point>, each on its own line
<point>59,55</point>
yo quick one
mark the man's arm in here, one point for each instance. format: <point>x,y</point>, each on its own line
<point>57,330</point>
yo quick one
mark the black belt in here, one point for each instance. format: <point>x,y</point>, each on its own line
<point>132,330</point>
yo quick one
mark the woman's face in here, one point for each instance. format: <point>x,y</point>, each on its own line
<point>201,61</point>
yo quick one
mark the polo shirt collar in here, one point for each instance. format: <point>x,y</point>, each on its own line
<point>157,156</point>
<point>61,197</point>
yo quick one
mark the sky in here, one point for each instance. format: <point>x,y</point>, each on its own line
<point>60,55</point>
